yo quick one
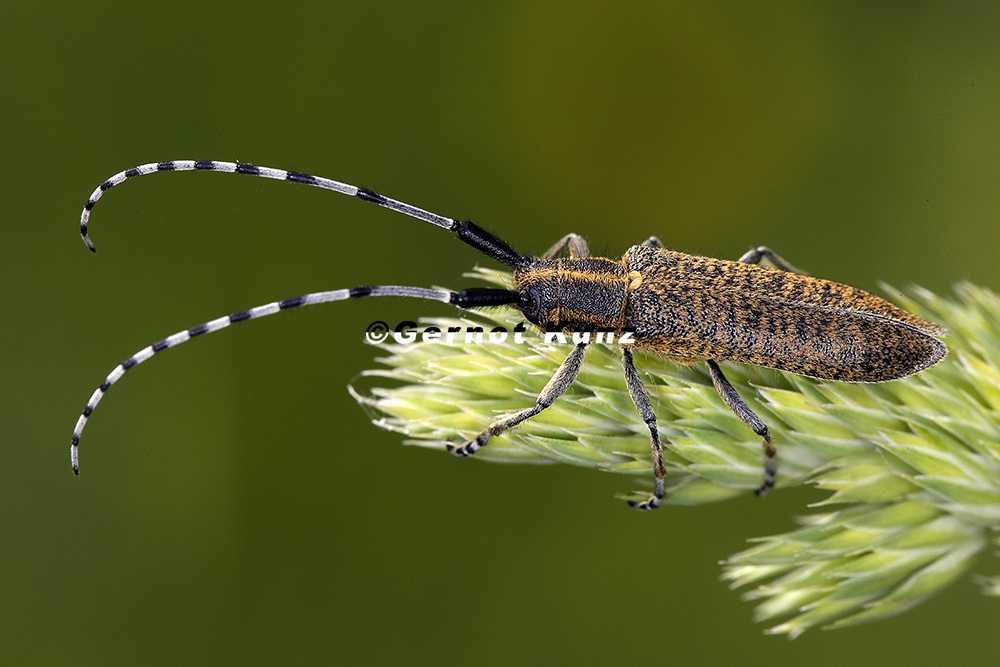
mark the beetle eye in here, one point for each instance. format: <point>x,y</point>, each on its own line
<point>529,303</point>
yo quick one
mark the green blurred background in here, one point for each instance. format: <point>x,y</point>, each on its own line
<point>236,506</point>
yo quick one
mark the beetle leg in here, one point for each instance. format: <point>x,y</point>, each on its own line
<point>577,245</point>
<point>763,252</point>
<point>641,400</point>
<point>653,242</point>
<point>743,411</point>
<point>555,388</point>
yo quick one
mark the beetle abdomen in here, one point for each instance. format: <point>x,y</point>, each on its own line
<point>826,343</point>
<point>691,308</point>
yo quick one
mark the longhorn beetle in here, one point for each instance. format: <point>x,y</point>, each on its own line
<point>680,307</point>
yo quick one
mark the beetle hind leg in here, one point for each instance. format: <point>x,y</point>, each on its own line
<point>743,411</point>
<point>641,400</point>
<point>755,255</point>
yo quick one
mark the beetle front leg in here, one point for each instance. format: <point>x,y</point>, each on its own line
<point>556,387</point>
<point>641,400</point>
<point>743,411</point>
<point>574,243</point>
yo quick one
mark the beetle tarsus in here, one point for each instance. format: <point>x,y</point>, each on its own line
<point>653,501</point>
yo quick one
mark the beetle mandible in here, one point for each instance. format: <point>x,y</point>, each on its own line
<point>683,308</point>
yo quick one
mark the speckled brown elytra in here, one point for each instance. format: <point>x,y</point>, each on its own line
<point>680,307</point>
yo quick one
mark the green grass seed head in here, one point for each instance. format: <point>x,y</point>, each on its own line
<point>912,467</point>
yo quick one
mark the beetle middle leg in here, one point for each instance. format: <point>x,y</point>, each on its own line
<point>641,400</point>
<point>556,387</point>
<point>743,411</point>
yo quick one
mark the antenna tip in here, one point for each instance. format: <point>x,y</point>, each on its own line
<point>90,244</point>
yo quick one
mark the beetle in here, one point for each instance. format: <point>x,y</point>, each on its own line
<point>683,308</point>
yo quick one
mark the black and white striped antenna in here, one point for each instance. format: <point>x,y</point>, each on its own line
<point>466,231</point>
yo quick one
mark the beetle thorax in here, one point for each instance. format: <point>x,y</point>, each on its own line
<point>572,294</point>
